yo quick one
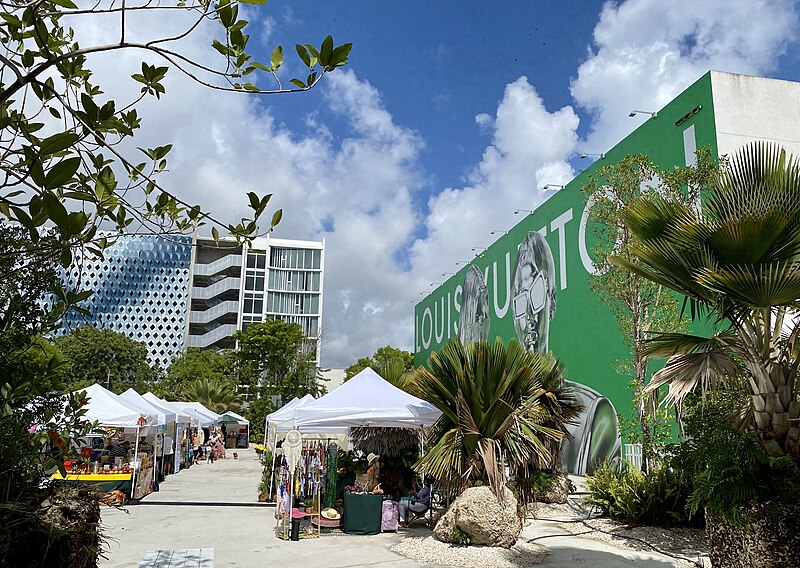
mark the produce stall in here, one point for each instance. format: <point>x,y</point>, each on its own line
<point>117,469</point>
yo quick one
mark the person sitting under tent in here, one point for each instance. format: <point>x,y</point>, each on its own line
<point>419,503</point>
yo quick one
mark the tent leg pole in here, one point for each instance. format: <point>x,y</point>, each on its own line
<point>136,459</point>
<point>272,469</point>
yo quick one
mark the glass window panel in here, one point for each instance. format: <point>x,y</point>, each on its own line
<point>249,283</point>
<point>251,261</point>
<point>248,306</point>
<point>260,283</point>
<point>261,261</point>
<point>258,306</point>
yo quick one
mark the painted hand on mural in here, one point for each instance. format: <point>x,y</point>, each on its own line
<point>595,437</point>
<point>474,323</point>
<point>534,292</point>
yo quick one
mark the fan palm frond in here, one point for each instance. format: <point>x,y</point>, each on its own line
<point>501,406</point>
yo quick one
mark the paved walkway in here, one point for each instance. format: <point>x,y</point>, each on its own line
<point>213,506</point>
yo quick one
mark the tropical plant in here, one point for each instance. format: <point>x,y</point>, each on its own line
<point>386,360</point>
<point>736,257</point>
<point>501,406</point>
<point>216,395</point>
<point>639,306</point>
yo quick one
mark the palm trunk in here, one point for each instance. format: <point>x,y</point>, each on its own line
<point>776,412</point>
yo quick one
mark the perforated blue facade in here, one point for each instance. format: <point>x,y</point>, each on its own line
<point>140,289</point>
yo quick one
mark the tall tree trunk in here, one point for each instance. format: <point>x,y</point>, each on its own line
<point>643,409</point>
<point>776,412</point>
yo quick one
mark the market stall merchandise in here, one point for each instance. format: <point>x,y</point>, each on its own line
<point>241,438</point>
<point>301,480</point>
<point>120,419</point>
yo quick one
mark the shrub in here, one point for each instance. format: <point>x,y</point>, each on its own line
<point>659,497</point>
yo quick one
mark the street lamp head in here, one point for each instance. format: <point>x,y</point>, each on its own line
<point>635,112</point>
<point>553,186</point>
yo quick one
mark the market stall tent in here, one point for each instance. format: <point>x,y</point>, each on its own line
<point>135,400</point>
<point>181,415</point>
<point>366,400</point>
<point>112,411</point>
<point>198,408</point>
<point>240,419</point>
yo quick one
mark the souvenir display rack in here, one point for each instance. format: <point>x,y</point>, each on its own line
<point>301,479</point>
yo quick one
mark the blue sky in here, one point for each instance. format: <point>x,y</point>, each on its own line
<point>450,115</point>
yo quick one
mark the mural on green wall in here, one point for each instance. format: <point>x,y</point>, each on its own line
<point>531,285</point>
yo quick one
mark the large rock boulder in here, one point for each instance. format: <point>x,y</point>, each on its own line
<point>479,514</point>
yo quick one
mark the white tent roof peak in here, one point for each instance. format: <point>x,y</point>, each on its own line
<point>136,400</point>
<point>111,410</point>
<point>367,399</point>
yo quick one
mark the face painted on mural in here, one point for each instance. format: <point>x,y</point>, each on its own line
<point>474,322</point>
<point>534,292</point>
<point>594,436</point>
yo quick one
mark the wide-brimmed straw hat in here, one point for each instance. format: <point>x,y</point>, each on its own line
<point>331,514</point>
<point>371,458</point>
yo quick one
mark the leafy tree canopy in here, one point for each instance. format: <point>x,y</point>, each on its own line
<point>198,364</point>
<point>68,166</point>
<point>103,356</point>
<point>277,352</point>
<point>640,306</point>
<point>384,357</point>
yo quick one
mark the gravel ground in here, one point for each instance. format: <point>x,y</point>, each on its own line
<point>687,543</point>
<point>429,550</point>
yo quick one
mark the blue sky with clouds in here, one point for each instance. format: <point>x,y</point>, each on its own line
<point>450,115</point>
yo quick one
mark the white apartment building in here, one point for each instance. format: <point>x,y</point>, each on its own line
<point>233,285</point>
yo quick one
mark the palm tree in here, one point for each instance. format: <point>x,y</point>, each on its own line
<point>501,405</point>
<point>736,257</point>
<point>218,396</point>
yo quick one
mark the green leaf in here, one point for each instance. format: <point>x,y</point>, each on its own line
<point>65,3</point>
<point>58,142</point>
<point>276,59</point>
<point>276,217</point>
<point>252,88</point>
<point>61,173</point>
<point>325,51</point>
<point>225,12</point>
<point>215,234</point>
<point>260,66</point>
<point>254,201</point>
<point>298,83</point>
<point>303,53</point>
<point>55,210</point>
<point>66,257</point>
<point>259,2</point>
<point>216,44</point>
<point>340,54</point>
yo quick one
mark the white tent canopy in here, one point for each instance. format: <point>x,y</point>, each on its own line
<point>198,409</point>
<point>365,400</point>
<point>180,416</point>
<point>111,410</point>
<point>283,419</point>
<point>239,417</point>
<point>283,410</point>
<point>134,399</point>
<point>172,414</point>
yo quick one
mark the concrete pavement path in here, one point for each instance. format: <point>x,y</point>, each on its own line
<point>214,506</point>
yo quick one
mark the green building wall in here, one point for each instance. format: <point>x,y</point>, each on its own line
<point>582,332</point>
